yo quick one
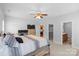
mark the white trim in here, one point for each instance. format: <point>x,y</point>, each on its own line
<point>3,26</point>
<point>62,27</point>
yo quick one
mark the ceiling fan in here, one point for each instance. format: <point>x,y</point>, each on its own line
<point>39,14</point>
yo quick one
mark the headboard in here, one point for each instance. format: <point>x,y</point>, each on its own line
<point>22,32</point>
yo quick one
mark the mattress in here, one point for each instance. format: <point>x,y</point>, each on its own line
<point>27,46</point>
<point>31,43</point>
<point>41,40</point>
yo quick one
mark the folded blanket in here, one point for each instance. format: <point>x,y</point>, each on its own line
<point>14,51</point>
<point>12,44</point>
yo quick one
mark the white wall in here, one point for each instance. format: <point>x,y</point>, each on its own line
<point>75,31</point>
<point>1,18</point>
<point>13,24</point>
<point>74,17</point>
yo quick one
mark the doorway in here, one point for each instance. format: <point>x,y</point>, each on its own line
<point>67,33</point>
<point>51,32</point>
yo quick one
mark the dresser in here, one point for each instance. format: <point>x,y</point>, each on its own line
<point>31,29</point>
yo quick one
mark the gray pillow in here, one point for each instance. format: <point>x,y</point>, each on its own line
<point>9,40</point>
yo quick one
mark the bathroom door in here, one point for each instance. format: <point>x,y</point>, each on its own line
<point>51,32</point>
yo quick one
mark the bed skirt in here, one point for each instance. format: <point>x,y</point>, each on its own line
<point>44,50</point>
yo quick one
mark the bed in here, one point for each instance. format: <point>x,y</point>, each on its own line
<point>29,45</point>
<point>3,48</point>
<point>41,40</point>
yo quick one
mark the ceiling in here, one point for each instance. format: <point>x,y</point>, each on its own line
<point>24,9</point>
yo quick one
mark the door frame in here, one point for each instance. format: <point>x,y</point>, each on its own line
<point>62,22</point>
<point>53,31</point>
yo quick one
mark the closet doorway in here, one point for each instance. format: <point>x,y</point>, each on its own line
<point>67,33</point>
<point>51,32</point>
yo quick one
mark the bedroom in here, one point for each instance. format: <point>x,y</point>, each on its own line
<point>26,29</point>
<point>18,20</point>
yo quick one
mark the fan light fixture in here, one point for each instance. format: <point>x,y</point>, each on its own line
<point>39,15</point>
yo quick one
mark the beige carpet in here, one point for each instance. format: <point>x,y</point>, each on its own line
<point>62,50</point>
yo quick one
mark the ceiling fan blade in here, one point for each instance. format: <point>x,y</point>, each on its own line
<point>44,14</point>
